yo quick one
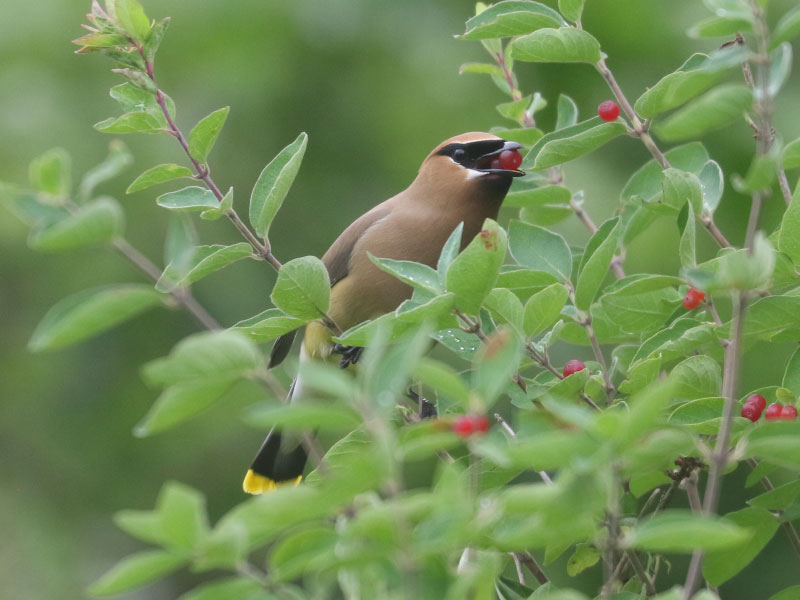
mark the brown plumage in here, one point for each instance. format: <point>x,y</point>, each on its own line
<point>455,184</point>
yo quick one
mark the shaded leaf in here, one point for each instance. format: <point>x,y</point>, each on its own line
<point>682,531</point>
<point>92,224</point>
<point>205,133</point>
<point>711,111</point>
<point>156,175</point>
<point>563,45</point>
<point>135,571</point>
<point>510,18</point>
<point>303,288</point>
<point>189,198</point>
<point>89,312</point>
<point>540,249</point>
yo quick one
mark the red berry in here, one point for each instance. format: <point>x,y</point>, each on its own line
<point>510,160</point>
<point>693,298</point>
<point>774,411</point>
<point>463,426</point>
<point>495,164</point>
<point>750,411</point>
<point>608,110</point>
<point>758,401</point>
<point>573,366</point>
<point>480,423</point>
<point>789,413</point>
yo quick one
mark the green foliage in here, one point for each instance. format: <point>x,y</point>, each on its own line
<point>399,505</point>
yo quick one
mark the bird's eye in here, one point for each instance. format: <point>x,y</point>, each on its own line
<point>459,154</point>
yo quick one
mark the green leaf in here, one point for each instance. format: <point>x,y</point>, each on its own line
<point>679,188</point>
<point>687,247</point>
<point>510,18</point>
<point>711,111</point>
<point>481,69</point>
<point>303,288</point>
<point>682,531</point>
<point>135,571</point>
<point>100,40</point>
<point>449,252</point>
<point>789,236</point>
<point>144,525</point>
<point>712,184</point>
<point>696,377</point>
<point>585,556</point>
<point>203,357</point>
<point>225,207</point>
<point>268,325</point>
<point>515,109</point>
<point>563,45</point>
<point>443,379</point>
<point>791,155</point>
<point>179,250</point>
<point>721,565</point>
<point>189,198</point>
<point>51,172</point>
<point>743,270</point>
<point>132,122</point>
<point>156,175</point>
<point>505,307</point>
<point>129,16</point>
<point>673,90</point>
<point>90,225</point>
<point>779,498</point>
<point>702,415</point>
<point>89,312</point>
<point>791,376</point>
<point>776,442</point>
<point>135,100</point>
<point>240,588</point>
<point>567,109</point>
<point>540,249</point>
<point>414,274</point>
<point>273,185</point>
<point>762,172</point>
<point>179,403</point>
<point>720,26</point>
<point>153,41</point>
<point>548,194</point>
<point>118,159</point>
<point>302,552</point>
<point>223,548</point>
<point>305,416</point>
<point>595,267</point>
<point>527,136</point>
<point>204,261</point>
<point>473,273</point>
<point>557,151</point>
<point>183,514</point>
<point>205,133</point>
<point>495,363</point>
<point>790,593</point>
<point>462,343</point>
<point>787,28</point>
<point>780,67</point>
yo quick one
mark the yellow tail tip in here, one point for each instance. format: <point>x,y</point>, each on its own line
<point>258,484</point>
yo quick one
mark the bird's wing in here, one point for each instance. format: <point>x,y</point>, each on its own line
<point>337,261</point>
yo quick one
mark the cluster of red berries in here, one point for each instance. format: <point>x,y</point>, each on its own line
<point>755,404</point>
<point>608,110</point>
<point>509,160</point>
<point>468,425</point>
<point>693,298</point>
<point>573,366</point>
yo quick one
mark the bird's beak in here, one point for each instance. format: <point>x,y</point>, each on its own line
<point>483,164</point>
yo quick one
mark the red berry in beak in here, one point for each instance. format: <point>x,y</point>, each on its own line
<point>510,160</point>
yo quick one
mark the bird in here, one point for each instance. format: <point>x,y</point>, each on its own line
<point>463,180</point>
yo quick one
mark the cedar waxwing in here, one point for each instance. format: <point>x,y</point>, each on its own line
<point>460,181</point>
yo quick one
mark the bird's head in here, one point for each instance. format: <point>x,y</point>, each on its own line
<point>473,163</point>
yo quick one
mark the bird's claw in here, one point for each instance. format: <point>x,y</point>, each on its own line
<point>350,354</point>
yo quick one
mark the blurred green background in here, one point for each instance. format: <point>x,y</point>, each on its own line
<point>376,86</point>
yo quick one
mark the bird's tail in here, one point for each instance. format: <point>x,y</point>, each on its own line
<point>282,457</point>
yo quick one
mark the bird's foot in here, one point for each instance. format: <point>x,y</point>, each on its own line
<point>350,354</point>
<point>427,409</point>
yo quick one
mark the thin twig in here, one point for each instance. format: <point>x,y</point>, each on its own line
<point>518,565</point>
<point>719,456</point>
<point>641,572</point>
<point>526,558</point>
<point>504,424</point>
<point>598,354</point>
<point>786,191</point>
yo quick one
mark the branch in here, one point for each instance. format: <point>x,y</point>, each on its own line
<point>202,173</point>
<point>641,131</point>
